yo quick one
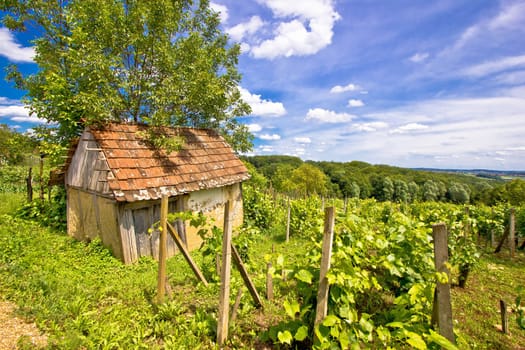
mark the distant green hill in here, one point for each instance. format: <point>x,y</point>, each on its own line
<point>384,182</point>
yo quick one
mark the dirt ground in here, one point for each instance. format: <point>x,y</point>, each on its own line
<point>12,328</point>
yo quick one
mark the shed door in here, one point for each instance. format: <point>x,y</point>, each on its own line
<point>145,221</point>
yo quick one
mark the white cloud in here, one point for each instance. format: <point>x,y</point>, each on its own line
<point>419,57</point>
<point>355,103</point>
<point>370,127</point>
<point>265,148</point>
<point>495,66</point>
<point>261,107</point>
<point>339,89</point>
<point>303,140</point>
<point>327,116</point>
<point>269,137</point>
<point>512,15</point>
<point>309,29</point>
<point>13,110</point>
<point>12,50</point>
<point>254,127</point>
<point>221,10</point>
<point>409,128</point>
<point>238,32</point>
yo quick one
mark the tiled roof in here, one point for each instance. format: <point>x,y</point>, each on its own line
<point>138,171</point>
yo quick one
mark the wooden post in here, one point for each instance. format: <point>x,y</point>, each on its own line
<point>322,293</point>
<point>288,220</point>
<point>345,207</point>
<point>41,179</point>
<point>182,247</point>
<point>29,183</point>
<point>269,282</point>
<point>504,318</point>
<point>503,238</point>
<point>236,305</point>
<point>467,222</point>
<point>442,301</point>
<point>224,301</point>
<point>512,230</point>
<point>161,285</point>
<point>246,278</point>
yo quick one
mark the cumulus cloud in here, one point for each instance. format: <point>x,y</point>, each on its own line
<point>410,127</point>
<point>419,57</point>
<point>350,87</point>
<point>221,10</point>
<point>268,137</point>
<point>241,30</point>
<point>254,127</point>
<point>261,107</point>
<point>303,140</point>
<point>15,111</point>
<point>13,51</point>
<point>327,116</point>
<point>355,103</point>
<point>305,28</point>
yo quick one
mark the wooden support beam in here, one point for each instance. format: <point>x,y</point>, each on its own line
<point>322,293</point>
<point>161,284</point>
<point>224,299</point>
<point>245,277</point>
<point>186,254</point>
<point>442,301</point>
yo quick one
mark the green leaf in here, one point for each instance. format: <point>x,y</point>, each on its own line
<point>304,276</point>
<point>285,337</point>
<point>301,334</point>
<point>292,308</point>
<point>330,320</point>
<point>415,340</point>
<point>437,338</point>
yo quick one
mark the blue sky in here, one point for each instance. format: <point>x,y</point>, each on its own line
<point>402,82</point>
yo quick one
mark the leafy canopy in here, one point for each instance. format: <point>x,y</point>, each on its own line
<point>161,62</point>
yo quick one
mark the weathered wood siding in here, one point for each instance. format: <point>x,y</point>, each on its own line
<point>90,216</point>
<point>89,169</point>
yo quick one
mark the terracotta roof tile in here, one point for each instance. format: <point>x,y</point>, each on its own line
<point>139,172</point>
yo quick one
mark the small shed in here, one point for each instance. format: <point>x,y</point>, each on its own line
<point>115,180</point>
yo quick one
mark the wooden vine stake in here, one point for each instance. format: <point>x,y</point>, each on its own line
<point>512,230</point>
<point>504,318</point>
<point>442,311</point>
<point>322,293</point>
<point>224,301</point>
<point>288,220</point>
<point>161,284</point>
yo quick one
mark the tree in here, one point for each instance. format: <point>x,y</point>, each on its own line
<point>14,146</point>
<point>413,191</point>
<point>157,62</point>
<point>383,188</point>
<point>430,191</point>
<point>307,180</point>
<point>401,193</point>
<point>457,193</point>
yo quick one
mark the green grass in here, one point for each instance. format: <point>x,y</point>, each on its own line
<point>82,297</point>
<point>10,202</point>
<point>476,309</point>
